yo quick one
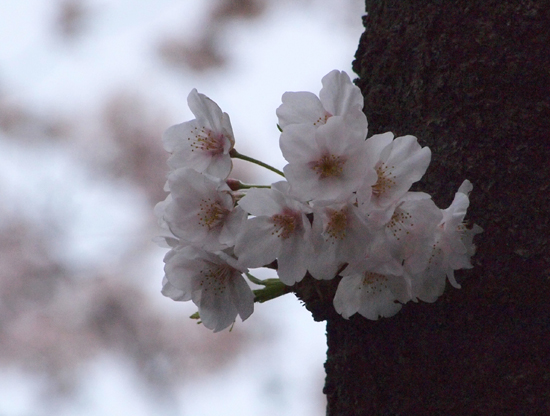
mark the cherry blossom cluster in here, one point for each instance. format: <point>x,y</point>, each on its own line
<point>343,210</point>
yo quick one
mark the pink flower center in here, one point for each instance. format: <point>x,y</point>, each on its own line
<point>399,222</point>
<point>323,119</point>
<point>385,180</point>
<point>374,282</point>
<point>328,166</point>
<point>435,258</point>
<point>286,223</point>
<point>206,140</point>
<point>211,213</point>
<point>215,277</point>
<point>337,224</point>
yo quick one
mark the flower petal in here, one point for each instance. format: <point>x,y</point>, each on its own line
<point>299,108</point>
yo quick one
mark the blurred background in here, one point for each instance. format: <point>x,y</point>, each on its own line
<point>86,89</point>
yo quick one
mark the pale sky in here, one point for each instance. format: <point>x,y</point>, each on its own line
<point>290,48</point>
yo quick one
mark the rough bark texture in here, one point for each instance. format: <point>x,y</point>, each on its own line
<point>471,80</point>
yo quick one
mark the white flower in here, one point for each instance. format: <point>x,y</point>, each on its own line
<point>201,210</point>
<point>340,237</point>
<point>405,240</point>
<point>452,249</point>
<point>166,238</point>
<point>325,163</point>
<point>370,293</point>
<point>345,211</point>
<point>213,282</point>
<point>204,143</point>
<point>280,230</point>
<point>398,164</point>
<point>338,97</point>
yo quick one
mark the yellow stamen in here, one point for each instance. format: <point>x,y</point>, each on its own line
<point>286,223</point>
<point>329,166</point>
<point>385,180</point>
<point>211,213</point>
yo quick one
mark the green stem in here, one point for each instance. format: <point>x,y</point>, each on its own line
<point>273,288</point>
<point>254,279</point>
<point>246,186</point>
<point>233,153</point>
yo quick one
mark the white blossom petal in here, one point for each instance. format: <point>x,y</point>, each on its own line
<point>452,249</point>
<point>202,144</point>
<point>340,236</point>
<point>339,95</point>
<point>212,282</point>
<point>325,163</point>
<point>401,163</point>
<point>283,236</point>
<point>301,108</point>
<point>257,244</point>
<point>293,260</point>
<point>347,299</point>
<point>200,211</point>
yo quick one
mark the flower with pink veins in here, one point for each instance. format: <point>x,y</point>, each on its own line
<point>203,143</point>
<point>213,281</point>
<point>340,237</point>
<point>404,242</point>
<point>451,250</point>
<point>398,163</point>
<point>201,210</point>
<point>279,230</point>
<point>325,163</point>
<point>338,97</point>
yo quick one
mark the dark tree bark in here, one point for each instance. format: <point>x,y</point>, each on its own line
<point>470,79</point>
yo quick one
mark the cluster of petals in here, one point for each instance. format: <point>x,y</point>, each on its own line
<point>204,143</point>
<point>200,219</point>
<point>344,211</point>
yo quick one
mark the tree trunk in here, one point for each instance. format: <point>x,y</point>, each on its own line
<point>471,80</point>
